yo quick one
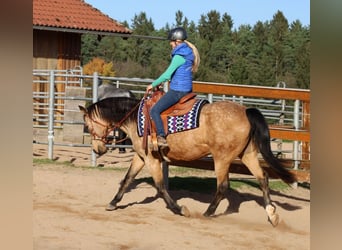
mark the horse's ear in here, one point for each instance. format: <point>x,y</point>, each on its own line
<point>83,109</point>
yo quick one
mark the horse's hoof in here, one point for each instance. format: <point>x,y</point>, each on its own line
<point>272,216</point>
<point>110,207</point>
<point>207,214</point>
<point>294,185</point>
<point>274,219</point>
<point>185,211</point>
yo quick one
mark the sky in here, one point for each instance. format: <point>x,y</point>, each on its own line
<point>241,11</point>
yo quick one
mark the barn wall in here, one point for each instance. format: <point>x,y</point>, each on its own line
<point>69,50</point>
<point>45,49</point>
<point>55,51</point>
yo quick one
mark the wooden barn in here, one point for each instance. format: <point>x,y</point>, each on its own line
<point>57,29</point>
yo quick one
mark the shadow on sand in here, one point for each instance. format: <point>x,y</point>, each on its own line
<point>203,189</point>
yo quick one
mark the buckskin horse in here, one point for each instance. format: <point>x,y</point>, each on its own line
<point>226,130</point>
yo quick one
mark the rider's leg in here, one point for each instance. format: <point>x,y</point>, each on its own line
<point>170,98</point>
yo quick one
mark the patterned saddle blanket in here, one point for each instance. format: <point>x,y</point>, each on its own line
<point>176,123</point>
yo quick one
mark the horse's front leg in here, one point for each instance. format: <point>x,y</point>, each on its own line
<point>221,171</point>
<point>157,175</point>
<point>136,165</point>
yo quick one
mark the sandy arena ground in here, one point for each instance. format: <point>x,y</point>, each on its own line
<point>69,210</point>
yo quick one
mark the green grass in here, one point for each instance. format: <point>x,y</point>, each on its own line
<point>70,164</point>
<point>48,161</point>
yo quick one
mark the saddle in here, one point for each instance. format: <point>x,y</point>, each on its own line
<point>183,106</point>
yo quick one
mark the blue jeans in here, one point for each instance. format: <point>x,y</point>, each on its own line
<point>170,98</point>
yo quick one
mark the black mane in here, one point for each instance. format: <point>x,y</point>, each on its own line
<point>114,109</point>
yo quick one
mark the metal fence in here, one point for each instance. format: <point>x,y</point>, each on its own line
<point>49,113</point>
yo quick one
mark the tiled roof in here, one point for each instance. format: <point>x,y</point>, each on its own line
<point>74,14</point>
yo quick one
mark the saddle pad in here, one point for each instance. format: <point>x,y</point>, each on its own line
<point>176,123</point>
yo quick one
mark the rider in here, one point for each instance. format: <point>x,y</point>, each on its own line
<point>185,60</point>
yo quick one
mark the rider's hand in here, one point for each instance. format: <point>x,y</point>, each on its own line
<point>149,88</point>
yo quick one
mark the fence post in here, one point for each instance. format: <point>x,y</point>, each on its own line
<point>210,97</point>
<point>165,170</point>
<point>51,114</point>
<point>95,86</point>
<point>306,126</point>
<point>281,117</point>
<point>296,126</point>
<point>95,96</point>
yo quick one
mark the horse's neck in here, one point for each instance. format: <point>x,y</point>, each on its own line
<point>130,128</point>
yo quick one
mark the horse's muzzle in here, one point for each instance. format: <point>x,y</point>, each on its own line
<point>99,147</point>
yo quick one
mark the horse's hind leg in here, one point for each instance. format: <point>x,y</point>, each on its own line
<point>250,159</point>
<point>136,165</point>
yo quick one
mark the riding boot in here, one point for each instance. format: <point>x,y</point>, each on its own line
<point>161,141</point>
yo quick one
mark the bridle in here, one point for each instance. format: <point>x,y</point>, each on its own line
<point>109,128</point>
<point>96,136</point>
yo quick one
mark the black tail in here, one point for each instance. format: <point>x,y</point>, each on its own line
<point>260,134</point>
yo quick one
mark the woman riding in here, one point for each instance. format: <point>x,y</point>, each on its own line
<point>185,60</point>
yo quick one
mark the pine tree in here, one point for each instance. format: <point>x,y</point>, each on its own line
<point>264,54</point>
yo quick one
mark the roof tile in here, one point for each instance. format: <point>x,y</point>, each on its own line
<point>74,14</point>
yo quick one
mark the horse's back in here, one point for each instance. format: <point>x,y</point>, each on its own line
<point>223,116</point>
<point>223,125</point>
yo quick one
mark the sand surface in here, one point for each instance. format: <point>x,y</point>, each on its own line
<point>69,209</point>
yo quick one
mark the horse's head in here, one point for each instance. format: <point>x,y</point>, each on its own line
<point>98,130</point>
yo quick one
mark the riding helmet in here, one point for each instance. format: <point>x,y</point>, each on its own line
<point>177,34</point>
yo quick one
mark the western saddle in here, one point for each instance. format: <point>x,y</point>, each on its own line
<point>182,107</point>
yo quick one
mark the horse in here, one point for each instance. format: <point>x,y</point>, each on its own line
<point>226,131</point>
<point>109,90</point>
